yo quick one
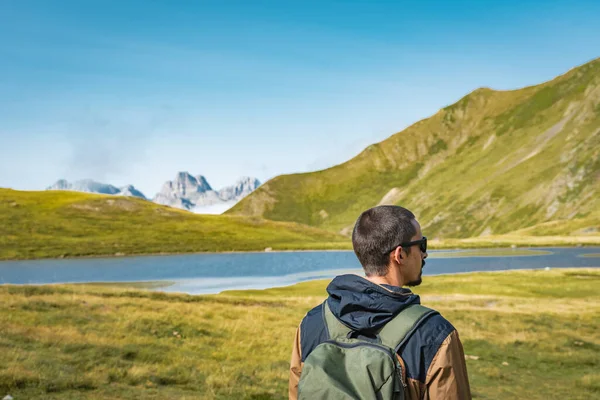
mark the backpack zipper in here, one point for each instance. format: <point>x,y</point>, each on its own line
<point>390,353</point>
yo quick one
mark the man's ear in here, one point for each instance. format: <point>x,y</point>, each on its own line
<point>398,255</point>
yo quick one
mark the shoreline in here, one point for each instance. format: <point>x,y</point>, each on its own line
<point>424,276</point>
<point>160,254</point>
<point>157,285</point>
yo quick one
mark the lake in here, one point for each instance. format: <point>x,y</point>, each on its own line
<point>213,273</point>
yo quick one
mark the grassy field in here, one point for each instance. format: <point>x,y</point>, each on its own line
<point>55,224</point>
<point>518,240</point>
<point>70,224</point>
<point>527,334</point>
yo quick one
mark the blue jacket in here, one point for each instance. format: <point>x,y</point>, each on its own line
<point>432,357</point>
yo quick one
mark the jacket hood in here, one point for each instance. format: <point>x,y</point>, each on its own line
<point>365,306</point>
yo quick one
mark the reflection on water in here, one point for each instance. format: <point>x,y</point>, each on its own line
<point>216,285</point>
<point>589,255</point>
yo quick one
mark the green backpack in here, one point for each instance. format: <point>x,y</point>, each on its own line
<point>346,367</point>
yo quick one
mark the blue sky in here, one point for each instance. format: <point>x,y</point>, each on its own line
<point>134,91</point>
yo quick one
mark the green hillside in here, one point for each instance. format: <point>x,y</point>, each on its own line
<point>64,224</point>
<point>493,163</point>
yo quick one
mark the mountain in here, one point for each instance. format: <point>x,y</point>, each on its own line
<point>181,192</point>
<point>186,192</point>
<point>91,186</point>
<point>492,163</point>
<point>195,193</point>
<point>130,191</point>
<point>243,187</point>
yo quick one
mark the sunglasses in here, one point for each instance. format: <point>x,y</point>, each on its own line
<point>421,242</point>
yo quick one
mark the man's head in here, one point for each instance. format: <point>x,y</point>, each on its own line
<point>378,238</point>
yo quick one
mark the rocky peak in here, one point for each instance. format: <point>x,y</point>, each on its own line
<point>195,193</point>
<point>243,187</point>
<point>185,185</point>
<point>203,185</point>
<point>131,191</point>
<point>61,184</point>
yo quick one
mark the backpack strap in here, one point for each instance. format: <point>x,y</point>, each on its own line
<point>335,328</point>
<point>396,332</point>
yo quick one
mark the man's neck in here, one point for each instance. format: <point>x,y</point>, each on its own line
<point>385,280</point>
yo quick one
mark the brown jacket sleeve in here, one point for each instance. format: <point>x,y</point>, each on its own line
<point>447,375</point>
<point>295,367</point>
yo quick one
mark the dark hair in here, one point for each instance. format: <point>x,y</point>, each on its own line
<point>376,231</point>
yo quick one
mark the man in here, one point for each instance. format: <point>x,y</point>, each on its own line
<point>388,243</point>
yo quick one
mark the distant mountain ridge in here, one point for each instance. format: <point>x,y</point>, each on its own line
<point>194,193</point>
<point>91,186</point>
<point>186,192</point>
<point>492,163</point>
